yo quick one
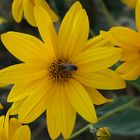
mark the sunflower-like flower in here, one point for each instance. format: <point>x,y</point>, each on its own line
<point>129,41</point>
<point>130,3</point>
<point>61,73</point>
<point>26,7</point>
<point>103,133</point>
<point>12,129</point>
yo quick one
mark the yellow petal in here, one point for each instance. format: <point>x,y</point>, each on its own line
<point>46,28</point>
<point>81,101</point>
<point>15,106</point>
<point>52,120</point>
<point>137,13</point>
<point>36,103</point>
<point>72,34</point>
<point>79,34</point>
<point>66,25</point>
<point>68,124</point>
<point>3,85</point>
<point>110,37</point>
<point>2,118</point>
<point>17,10</point>
<point>93,41</point>
<point>21,73</point>
<point>129,70</point>
<point>13,126</point>
<point>97,58</point>
<point>28,6</point>
<point>107,36</point>
<point>22,133</point>
<point>63,111</point>
<point>129,55</point>
<point>125,37</point>
<point>45,5</point>
<point>6,124</point>
<point>97,97</point>
<point>2,134</point>
<point>52,123</point>
<point>98,41</point>
<point>105,79</point>
<point>22,90</point>
<point>25,47</point>
<point>2,129</point>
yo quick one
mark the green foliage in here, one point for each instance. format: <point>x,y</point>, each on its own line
<point>126,122</point>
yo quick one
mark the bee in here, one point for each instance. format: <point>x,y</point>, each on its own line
<point>67,67</point>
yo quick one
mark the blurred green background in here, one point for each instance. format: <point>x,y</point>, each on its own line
<point>124,125</point>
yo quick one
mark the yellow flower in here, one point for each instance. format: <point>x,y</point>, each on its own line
<point>27,7</point>
<point>61,73</point>
<point>12,129</point>
<point>129,41</point>
<point>1,106</point>
<point>130,3</point>
<point>103,133</point>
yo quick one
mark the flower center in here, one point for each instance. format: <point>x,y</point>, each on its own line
<point>61,70</point>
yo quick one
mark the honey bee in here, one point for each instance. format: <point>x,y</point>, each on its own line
<point>68,67</point>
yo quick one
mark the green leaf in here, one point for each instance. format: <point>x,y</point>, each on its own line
<point>126,122</point>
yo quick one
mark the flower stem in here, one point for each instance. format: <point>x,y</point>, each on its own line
<point>110,18</point>
<point>105,116</point>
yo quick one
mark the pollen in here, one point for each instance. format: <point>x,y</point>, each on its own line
<point>61,70</point>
